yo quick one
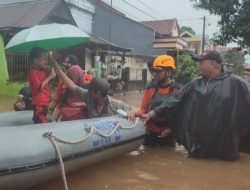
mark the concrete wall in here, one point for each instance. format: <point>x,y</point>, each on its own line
<point>82,11</point>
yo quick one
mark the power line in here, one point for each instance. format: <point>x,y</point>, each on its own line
<point>147,6</point>
<point>127,14</point>
<point>139,9</point>
<point>188,19</point>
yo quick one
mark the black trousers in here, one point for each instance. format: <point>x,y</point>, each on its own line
<point>152,139</point>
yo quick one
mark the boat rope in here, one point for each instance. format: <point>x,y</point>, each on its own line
<point>92,131</point>
<point>54,139</point>
<point>59,155</point>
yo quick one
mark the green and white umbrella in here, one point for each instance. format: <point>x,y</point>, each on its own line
<point>48,36</point>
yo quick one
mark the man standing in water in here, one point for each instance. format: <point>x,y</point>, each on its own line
<point>212,111</point>
<point>160,129</point>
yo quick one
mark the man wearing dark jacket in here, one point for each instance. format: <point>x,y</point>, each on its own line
<point>212,111</point>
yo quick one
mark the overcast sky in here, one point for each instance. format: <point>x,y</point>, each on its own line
<point>168,9</point>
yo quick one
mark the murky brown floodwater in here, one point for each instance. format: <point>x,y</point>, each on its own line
<point>154,169</point>
<point>6,103</point>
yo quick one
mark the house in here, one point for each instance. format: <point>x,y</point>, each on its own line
<point>167,35</point>
<point>194,42</point>
<point>82,12</point>
<point>113,37</point>
<point>16,15</point>
<point>114,27</point>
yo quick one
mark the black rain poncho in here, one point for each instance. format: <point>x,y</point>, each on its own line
<point>212,117</point>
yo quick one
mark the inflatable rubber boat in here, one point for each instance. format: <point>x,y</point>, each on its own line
<point>31,154</point>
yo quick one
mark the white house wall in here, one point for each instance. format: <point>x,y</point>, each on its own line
<point>83,19</point>
<point>82,12</point>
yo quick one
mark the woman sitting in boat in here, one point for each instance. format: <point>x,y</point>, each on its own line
<point>97,101</point>
<point>72,107</point>
<point>63,96</point>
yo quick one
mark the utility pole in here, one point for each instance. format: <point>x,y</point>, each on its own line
<point>203,36</point>
<point>109,40</point>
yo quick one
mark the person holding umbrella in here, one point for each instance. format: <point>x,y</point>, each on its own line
<point>38,79</point>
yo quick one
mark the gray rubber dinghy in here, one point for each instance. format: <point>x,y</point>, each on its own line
<point>31,154</point>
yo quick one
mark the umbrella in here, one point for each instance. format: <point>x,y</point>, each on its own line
<point>48,36</point>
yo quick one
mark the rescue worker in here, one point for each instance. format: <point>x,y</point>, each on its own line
<point>160,129</point>
<point>212,111</point>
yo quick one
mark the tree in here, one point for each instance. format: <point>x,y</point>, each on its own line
<point>187,69</point>
<point>234,19</point>
<point>234,61</point>
<point>188,29</point>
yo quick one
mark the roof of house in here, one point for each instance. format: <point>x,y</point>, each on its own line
<point>108,7</point>
<point>164,27</point>
<point>94,39</point>
<point>30,13</point>
<point>186,34</point>
<point>2,2</point>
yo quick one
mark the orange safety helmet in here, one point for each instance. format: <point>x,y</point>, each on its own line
<point>164,61</point>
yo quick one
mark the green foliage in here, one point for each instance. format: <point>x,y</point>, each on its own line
<point>234,19</point>
<point>187,69</point>
<point>235,61</point>
<point>188,29</point>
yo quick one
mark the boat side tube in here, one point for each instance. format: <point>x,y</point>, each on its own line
<point>25,152</point>
<point>16,118</point>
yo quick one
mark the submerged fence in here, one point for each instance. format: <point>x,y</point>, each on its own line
<point>18,66</point>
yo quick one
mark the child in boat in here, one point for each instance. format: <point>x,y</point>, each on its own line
<point>39,78</point>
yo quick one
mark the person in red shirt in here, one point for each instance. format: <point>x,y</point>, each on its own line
<point>38,79</point>
<point>159,130</point>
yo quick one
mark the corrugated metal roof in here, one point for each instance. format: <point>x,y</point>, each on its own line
<point>25,14</point>
<point>98,40</point>
<point>108,7</point>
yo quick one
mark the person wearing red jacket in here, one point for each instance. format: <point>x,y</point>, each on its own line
<point>38,79</point>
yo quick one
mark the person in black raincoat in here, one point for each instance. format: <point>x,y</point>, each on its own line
<point>213,111</point>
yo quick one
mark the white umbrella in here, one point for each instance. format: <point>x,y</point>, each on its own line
<point>48,36</point>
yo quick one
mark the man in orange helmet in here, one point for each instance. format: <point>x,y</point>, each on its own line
<point>212,111</point>
<point>159,130</point>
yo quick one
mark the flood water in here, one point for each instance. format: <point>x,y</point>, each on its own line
<point>6,103</point>
<point>153,169</point>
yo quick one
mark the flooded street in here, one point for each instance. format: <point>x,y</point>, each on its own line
<point>6,103</point>
<point>153,169</point>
